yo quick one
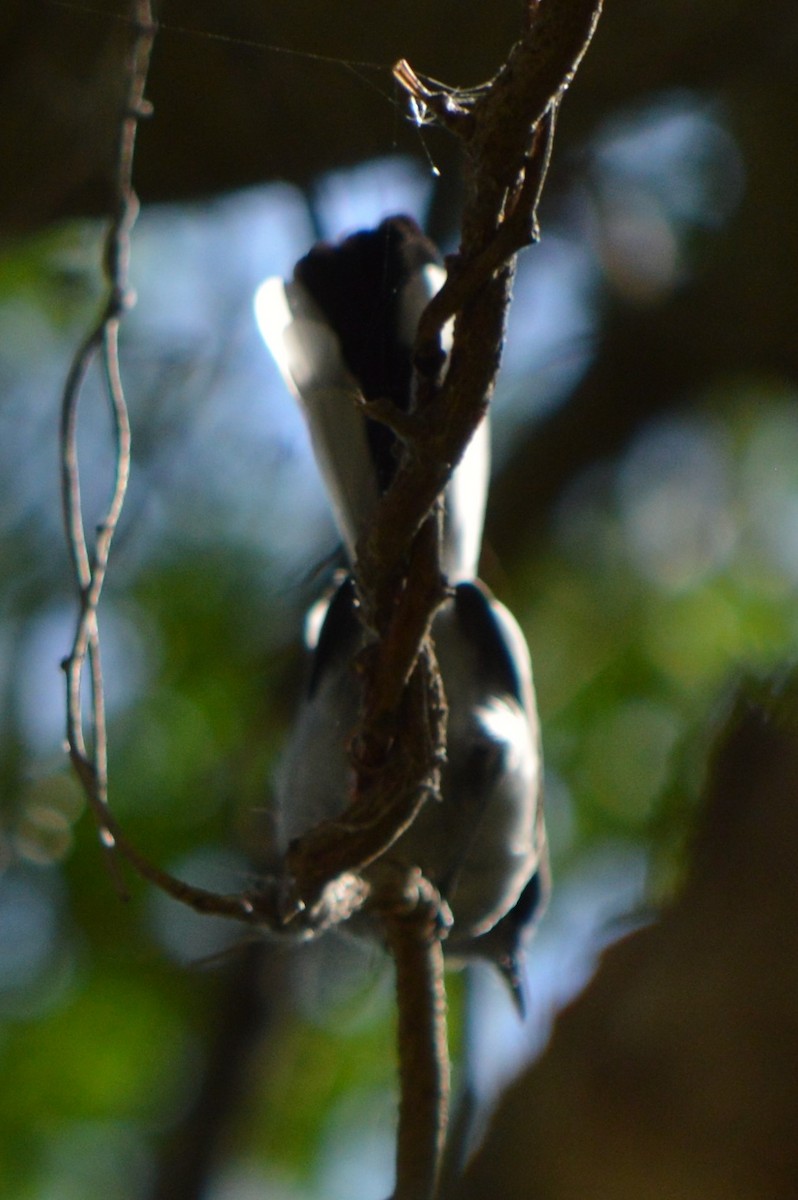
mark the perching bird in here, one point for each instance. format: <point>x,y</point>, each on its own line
<point>344,326</point>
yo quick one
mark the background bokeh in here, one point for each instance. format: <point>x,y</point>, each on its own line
<point>643,527</point>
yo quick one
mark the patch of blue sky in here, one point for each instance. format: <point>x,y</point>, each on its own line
<point>678,148</point>
<point>360,197</point>
<point>550,333</point>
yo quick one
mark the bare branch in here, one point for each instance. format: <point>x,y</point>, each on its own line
<point>507,129</point>
<point>90,564</point>
<point>415,920</point>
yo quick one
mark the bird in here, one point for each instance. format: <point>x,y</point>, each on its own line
<point>342,332</point>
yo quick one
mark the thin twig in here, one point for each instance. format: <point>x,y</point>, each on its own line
<point>518,229</point>
<point>90,565</point>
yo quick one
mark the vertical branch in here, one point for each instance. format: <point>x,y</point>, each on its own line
<point>90,565</point>
<point>414,922</point>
